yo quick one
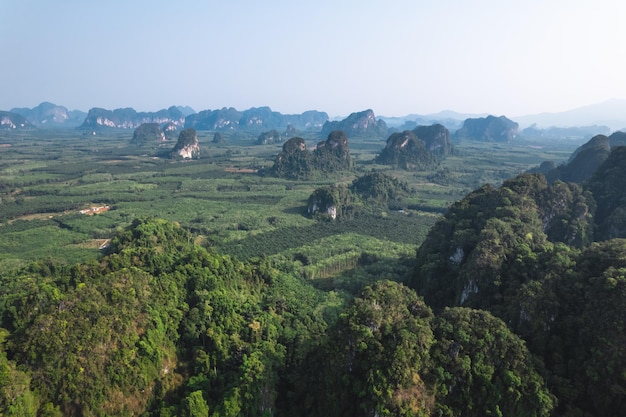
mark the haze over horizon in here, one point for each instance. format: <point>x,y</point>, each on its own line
<point>398,57</point>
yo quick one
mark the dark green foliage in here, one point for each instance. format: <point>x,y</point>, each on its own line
<point>512,251</point>
<point>395,227</point>
<point>97,337</point>
<point>334,201</point>
<point>296,162</point>
<point>374,358</point>
<point>608,186</point>
<point>464,252</point>
<point>16,397</point>
<point>483,369</point>
<point>567,212</point>
<point>375,190</point>
<point>380,187</point>
<point>158,326</point>
<point>495,239</point>
<point>583,162</point>
<point>405,150</point>
<point>156,318</point>
<point>601,332</point>
<point>148,133</point>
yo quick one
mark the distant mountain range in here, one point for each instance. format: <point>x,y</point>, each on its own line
<point>610,113</point>
<point>602,117</point>
<point>49,115</point>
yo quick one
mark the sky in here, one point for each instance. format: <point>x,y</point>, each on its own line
<point>396,57</point>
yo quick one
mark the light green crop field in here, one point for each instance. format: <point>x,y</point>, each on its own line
<point>47,177</point>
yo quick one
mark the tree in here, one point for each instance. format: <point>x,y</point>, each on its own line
<point>194,405</point>
<point>482,368</point>
<point>373,361</point>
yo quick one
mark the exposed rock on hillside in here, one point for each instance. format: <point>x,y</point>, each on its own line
<point>128,118</point>
<point>49,114</point>
<point>9,120</point>
<point>187,146</point>
<point>548,260</point>
<point>170,127</point>
<point>358,124</point>
<point>222,119</point>
<point>270,137</point>
<point>488,129</point>
<point>366,192</point>
<point>327,201</point>
<point>334,153</point>
<point>467,257</point>
<point>296,162</point>
<point>436,138</point>
<point>405,150</point>
<point>254,119</point>
<point>148,134</point>
<point>294,145</point>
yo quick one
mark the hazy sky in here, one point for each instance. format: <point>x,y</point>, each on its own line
<point>511,57</point>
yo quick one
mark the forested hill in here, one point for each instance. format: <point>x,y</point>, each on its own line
<point>550,261</point>
<point>161,327</point>
<point>515,308</point>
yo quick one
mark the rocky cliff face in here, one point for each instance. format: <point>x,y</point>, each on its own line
<point>323,201</point>
<point>10,120</point>
<point>187,146</point>
<point>436,139</point>
<point>336,144</point>
<point>254,119</point>
<point>128,118</point>
<point>270,137</point>
<point>222,119</point>
<point>48,114</point>
<point>488,129</point>
<point>358,124</point>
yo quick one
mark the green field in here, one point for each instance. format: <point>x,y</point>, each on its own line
<point>47,177</point>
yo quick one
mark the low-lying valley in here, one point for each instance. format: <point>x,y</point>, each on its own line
<point>227,263</point>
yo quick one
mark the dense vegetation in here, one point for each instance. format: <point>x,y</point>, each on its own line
<point>526,253</point>
<point>365,194</point>
<point>297,163</point>
<point>406,151</point>
<point>148,133</point>
<point>214,294</point>
<point>162,326</point>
